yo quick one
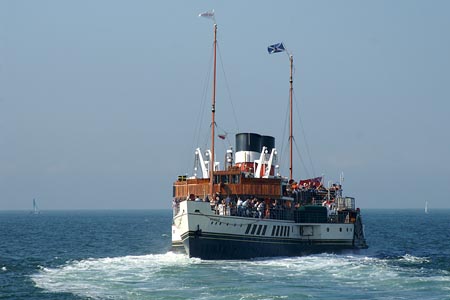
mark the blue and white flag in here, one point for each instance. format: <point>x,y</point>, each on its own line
<point>276,48</point>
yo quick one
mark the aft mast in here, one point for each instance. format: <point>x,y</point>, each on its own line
<point>276,48</point>
<point>213,120</point>
<point>291,133</point>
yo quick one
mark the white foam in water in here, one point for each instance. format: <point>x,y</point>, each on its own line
<point>164,275</point>
<point>4,269</point>
<point>415,259</point>
<point>98,278</point>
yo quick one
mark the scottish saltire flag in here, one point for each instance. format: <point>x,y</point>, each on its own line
<point>276,48</point>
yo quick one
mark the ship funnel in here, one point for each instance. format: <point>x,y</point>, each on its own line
<point>249,147</point>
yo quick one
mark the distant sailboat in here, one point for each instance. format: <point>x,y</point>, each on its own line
<point>426,207</point>
<point>35,208</point>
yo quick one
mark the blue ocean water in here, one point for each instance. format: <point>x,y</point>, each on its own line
<point>125,255</point>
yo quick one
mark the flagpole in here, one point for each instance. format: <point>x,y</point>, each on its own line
<point>213,122</point>
<point>291,134</point>
<point>276,48</point>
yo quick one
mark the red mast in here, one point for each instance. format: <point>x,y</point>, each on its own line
<point>213,121</point>
<point>276,48</point>
<point>291,133</point>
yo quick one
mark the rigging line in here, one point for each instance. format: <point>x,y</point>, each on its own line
<point>228,87</point>
<point>286,118</point>
<point>225,142</point>
<point>223,130</point>
<point>301,160</point>
<point>283,154</point>
<point>226,135</point>
<point>201,110</point>
<point>304,135</point>
<point>206,84</point>
<point>207,137</point>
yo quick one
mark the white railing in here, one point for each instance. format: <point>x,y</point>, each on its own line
<point>345,203</point>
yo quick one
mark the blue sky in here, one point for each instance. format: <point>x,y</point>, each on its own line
<point>99,100</point>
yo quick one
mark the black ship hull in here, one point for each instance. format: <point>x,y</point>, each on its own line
<point>217,246</point>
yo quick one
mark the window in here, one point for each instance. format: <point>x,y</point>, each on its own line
<point>264,230</point>
<point>224,179</point>
<point>259,229</point>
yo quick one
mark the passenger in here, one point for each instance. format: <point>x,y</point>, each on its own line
<point>221,208</point>
<point>267,208</point>
<point>232,206</point>
<point>217,198</point>
<point>245,207</point>
<point>250,208</point>
<point>260,209</point>
<point>217,202</point>
<point>274,209</point>
<point>198,199</point>
<point>239,207</point>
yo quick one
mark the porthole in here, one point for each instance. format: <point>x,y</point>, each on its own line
<point>340,229</point>
<point>328,229</point>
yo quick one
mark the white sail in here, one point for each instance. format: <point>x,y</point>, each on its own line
<point>35,207</point>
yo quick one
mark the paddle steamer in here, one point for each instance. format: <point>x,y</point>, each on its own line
<point>247,209</point>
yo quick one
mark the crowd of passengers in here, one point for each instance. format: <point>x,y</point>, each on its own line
<point>307,193</point>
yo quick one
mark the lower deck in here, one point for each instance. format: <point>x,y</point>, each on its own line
<point>209,236</point>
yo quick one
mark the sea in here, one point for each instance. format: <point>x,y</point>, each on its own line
<point>75,255</point>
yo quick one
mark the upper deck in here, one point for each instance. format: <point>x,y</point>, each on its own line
<point>229,182</point>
